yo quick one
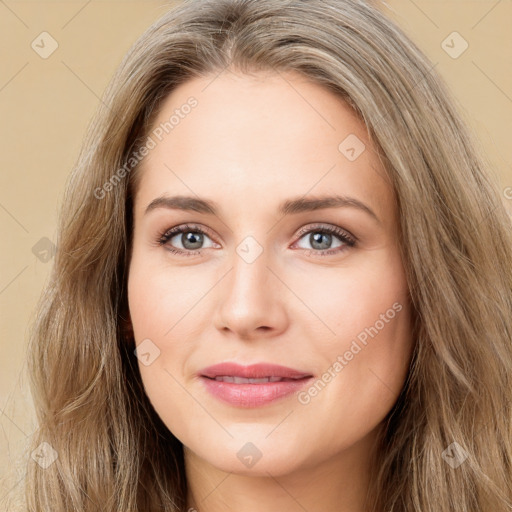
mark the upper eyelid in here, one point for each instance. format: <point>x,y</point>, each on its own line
<point>186,227</point>
<point>325,226</point>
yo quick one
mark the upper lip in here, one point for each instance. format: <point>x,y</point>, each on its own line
<point>253,371</point>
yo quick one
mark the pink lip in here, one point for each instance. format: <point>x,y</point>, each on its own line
<point>252,394</point>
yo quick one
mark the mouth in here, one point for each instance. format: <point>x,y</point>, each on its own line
<point>243,380</point>
<point>253,371</point>
<point>254,385</point>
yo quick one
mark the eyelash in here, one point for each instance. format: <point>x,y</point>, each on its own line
<point>344,236</point>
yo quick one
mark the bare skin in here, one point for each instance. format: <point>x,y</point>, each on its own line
<point>251,143</point>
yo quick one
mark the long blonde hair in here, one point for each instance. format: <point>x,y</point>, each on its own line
<point>114,452</point>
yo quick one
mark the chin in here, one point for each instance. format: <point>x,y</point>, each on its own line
<point>251,458</point>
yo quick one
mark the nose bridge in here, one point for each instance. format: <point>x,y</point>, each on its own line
<point>249,280</point>
<point>251,298</point>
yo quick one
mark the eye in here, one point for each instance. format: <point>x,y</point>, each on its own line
<point>321,238</point>
<point>191,238</point>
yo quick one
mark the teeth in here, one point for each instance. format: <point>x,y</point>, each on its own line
<point>243,380</point>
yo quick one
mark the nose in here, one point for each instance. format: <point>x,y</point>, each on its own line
<point>252,300</point>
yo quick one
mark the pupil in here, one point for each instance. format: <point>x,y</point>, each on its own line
<point>315,237</point>
<point>196,239</point>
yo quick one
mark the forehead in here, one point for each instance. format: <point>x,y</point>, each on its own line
<point>265,135</point>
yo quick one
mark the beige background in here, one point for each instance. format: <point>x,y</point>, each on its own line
<point>45,105</point>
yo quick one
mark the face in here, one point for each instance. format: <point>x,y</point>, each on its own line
<point>260,268</point>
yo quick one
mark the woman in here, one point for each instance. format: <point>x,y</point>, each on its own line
<point>367,370</point>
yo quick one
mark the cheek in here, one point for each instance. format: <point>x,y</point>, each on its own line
<point>366,355</point>
<point>149,310</point>
<point>362,359</point>
<point>156,307</point>
<point>364,302</point>
<point>166,309</point>
<point>159,298</point>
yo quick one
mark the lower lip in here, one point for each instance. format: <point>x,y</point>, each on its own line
<point>253,395</point>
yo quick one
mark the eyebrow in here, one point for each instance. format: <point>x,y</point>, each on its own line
<point>290,206</point>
